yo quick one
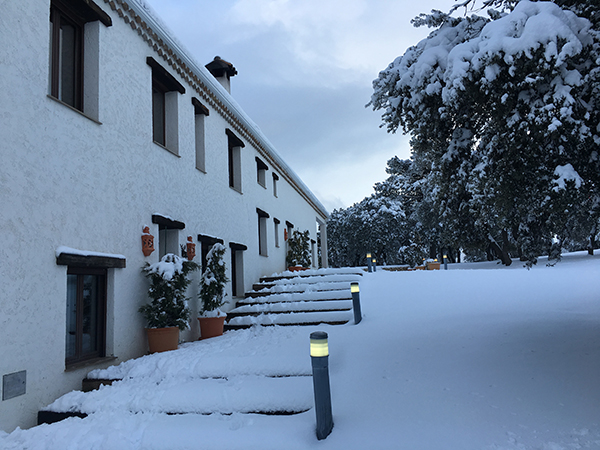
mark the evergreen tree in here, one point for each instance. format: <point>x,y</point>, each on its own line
<point>497,107</point>
<point>168,284</point>
<point>299,249</point>
<point>213,280</point>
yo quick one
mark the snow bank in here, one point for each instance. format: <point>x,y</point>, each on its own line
<point>469,358</point>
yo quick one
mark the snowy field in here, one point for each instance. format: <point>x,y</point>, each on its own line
<point>476,357</point>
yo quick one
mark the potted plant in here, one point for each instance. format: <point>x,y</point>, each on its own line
<point>298,256</point>
<point>167,313</point>
<point>212,293</point>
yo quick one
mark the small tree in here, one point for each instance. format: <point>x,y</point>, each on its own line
<point>168,284</point>
<point>299,249</point>
<point>212,282</point>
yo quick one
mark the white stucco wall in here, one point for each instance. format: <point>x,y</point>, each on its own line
<point>68,180</point>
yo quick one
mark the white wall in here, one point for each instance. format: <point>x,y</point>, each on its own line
<point>68,180</point>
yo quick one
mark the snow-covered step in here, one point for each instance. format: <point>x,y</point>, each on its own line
<point>302,318</point>
<point>341,294</point>
<point>314,272</point>
<point>174,395</point>
<point>289,307</point>
<point>299,287</point>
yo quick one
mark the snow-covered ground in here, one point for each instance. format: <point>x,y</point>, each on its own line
<point>492,358</point>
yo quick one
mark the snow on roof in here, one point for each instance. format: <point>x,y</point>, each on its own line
<point>62,249</point>
<point>152,19</point>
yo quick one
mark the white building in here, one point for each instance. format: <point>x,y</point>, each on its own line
<point>106,126</point>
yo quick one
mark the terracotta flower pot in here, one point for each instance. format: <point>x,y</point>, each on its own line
<point>163,339</point>
<point>211,326</point>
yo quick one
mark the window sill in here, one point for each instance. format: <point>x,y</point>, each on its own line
<point>89,362</point>
<point>236,190</point>
<point>73,109</point>
<point>172,152</point>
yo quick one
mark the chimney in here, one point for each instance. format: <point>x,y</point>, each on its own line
<point>222,71</point>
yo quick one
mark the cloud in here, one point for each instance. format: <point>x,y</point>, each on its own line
<point>305,73</point>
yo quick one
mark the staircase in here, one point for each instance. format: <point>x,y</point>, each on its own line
<point>297,298</point>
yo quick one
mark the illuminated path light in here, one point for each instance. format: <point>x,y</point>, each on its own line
<point>319,355</point>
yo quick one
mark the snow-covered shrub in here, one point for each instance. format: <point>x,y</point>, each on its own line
<point>299,249</point>
<point>168,283</point>
<point>212,282</point>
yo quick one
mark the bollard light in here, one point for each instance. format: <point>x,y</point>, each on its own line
<point>356,302</point>
<point>374,265</point>
<point>369,262</point>
<point>445,262</point>
<point>319,346</point>
<point>319,352</point>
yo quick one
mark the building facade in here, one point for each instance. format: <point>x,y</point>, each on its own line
<point>106,127</point>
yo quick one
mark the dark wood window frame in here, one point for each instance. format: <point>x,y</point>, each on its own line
<point>261,169</point>
<point>81,264</point>
<point>75,14</point>
<point>235,248</point>
<point>262,232</point>
<point>275,180</point>
<point>234,161</point>
<point>162,83</point>
<point>99,325</point>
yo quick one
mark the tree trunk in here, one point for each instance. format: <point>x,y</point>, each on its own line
<point>592,240</point>
<point>503,255</point>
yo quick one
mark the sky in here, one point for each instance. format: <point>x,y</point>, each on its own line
<point>305,73</point>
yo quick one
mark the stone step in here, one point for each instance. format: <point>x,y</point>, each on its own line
<point>312,273</point>
<point>246,394</point>
<point>312,279</point>
<point>290,319</point>
<point>342,294</point>
<point>290,307</point>
<point>296,288</point>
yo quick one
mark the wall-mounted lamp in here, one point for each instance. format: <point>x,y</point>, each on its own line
<point>147,241</point>
<point>190,248</point>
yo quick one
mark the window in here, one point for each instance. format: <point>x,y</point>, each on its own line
<point>168,234</point>
<point>74,72</point>
<point>235,146</point>
<point>275,180</point>
<point>86,314</point>
<point>237,269</point>
<point>200,112</point>
<point>276,223</point>
<point>86,304</point>
<point>261,171</point>
<point>262,232</point>
<point>288,230</point>
<point>165,124</point>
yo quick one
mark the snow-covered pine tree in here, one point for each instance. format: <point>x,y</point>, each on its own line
<point>495,108</point>
<point>213,280</point>
<point>299,249</point>
<point>168,284</point>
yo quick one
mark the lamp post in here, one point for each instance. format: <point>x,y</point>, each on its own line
<point>319,355</point>
<point>369,262</point>
<point>356,302</point>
